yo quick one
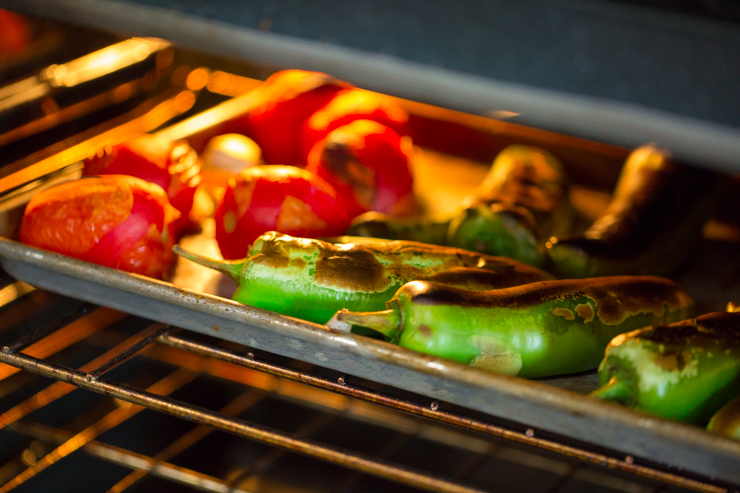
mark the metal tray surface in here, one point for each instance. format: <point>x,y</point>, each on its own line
<point>189,301</point>
<point>552,409</point>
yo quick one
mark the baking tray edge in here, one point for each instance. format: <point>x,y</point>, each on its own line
<point>553,409</point>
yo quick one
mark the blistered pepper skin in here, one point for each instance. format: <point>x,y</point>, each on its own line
<point>683,371</point>
<point>535,330</point>
<point>726,421</point>
<point>651,225</point>
<point>312,279</point>
<point>521,203</point>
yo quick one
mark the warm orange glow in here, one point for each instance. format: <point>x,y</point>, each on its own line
<point>231,152</point>
<point>184,101</point>
<point>67,336</point>
<point>102,62</point>
<point>230,85</point>
<point>197,79</point>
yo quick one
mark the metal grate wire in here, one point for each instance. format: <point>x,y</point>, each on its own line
<point>324,400</point>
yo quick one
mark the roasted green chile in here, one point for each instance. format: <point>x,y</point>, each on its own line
<point>311,279</point>
<point>522,202</point>
<point>652,224</point>
<point>535,330</point>
<point>683,371</point>
<point>726,421</point>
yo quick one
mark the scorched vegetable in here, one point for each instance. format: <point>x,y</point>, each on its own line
<point>174,166</point>
<point>521,203</point>
<point>117,221</point>
<point>312,279</point>
<point>535,330</point>
<point>684,371</point>
<point>368,164</point>
<point>276,198</point>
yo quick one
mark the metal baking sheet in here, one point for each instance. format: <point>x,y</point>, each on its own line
<point>550,405</point>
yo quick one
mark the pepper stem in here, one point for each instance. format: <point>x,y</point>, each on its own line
<point>232,268</point>
<point>386,322</point>
<point>615,390</point>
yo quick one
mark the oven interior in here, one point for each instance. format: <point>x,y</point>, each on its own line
<point>97,400</point>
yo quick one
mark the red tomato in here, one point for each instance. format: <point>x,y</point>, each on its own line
<point>117,221</point>
<point>368,165</point>
<point>173,166</point>
<point>276,198</point>
<point>285,100</point>
<point>14,33</point>
<point>347,106</point>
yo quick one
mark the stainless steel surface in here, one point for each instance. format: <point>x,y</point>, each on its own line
<point>701,142</point>
<point>553,409</point>
<point>567,424</point>
<point>198,359</point>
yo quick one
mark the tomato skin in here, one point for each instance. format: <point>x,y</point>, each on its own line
<point>347,106</point>
<point>175,167</point>
<point>285,100</point>
<point>276,198</point>
<point>15,33</point>
<point>117,221</point>
<point>368,164</point>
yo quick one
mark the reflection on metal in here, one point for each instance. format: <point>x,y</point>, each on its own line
<point>11,293</point>
<point>81,70</point>
<point>160,114</point>
<point>231,85</point>
<point>234,408</point>
<point>60,389</point>
<point>102,62</point>
<point>66,336</point>
<point>165,386</point>
<point>432,412</point>
<point>235,426</point>
<point>131,460</point>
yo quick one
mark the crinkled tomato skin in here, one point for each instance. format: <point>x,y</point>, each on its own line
<point>115,220</point>
<point>368,164</point>
<point>347,106</point>
<point>276,198</point>
<point>285,100</point>
<point>174,166</point>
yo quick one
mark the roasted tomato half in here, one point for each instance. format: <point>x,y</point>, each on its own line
<point>347,106</point>
<point>368,164</point>
<point>117,221</point>
<point>174,166</point>
<point>276,198</point>
<point>284,101</point>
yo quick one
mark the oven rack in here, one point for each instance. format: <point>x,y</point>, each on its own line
<point>192,356</point>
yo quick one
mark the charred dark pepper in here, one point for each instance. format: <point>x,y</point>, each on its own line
<point>312,279</point>
<point>684,371</point>
<point>520,204</point>
<point>535,330</point>
<point>651,225</point>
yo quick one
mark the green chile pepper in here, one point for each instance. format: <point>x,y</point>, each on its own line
<point>521,203</point>
<point>726,421</point>
<point>683,371</point>
<point>535,330</point>
<point>312,279</point>
<point>651,225</point>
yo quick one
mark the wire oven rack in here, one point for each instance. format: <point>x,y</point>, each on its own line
<point>228,417</point>
<point>357,435</point>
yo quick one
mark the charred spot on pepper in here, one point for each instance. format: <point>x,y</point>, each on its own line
<point>357,269</point>
<point>704,331</point>
<point>630,296</point>
<point>672,360</point>
<point>563,312</point>
<point>586,311</point>
<point>425,330</point>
